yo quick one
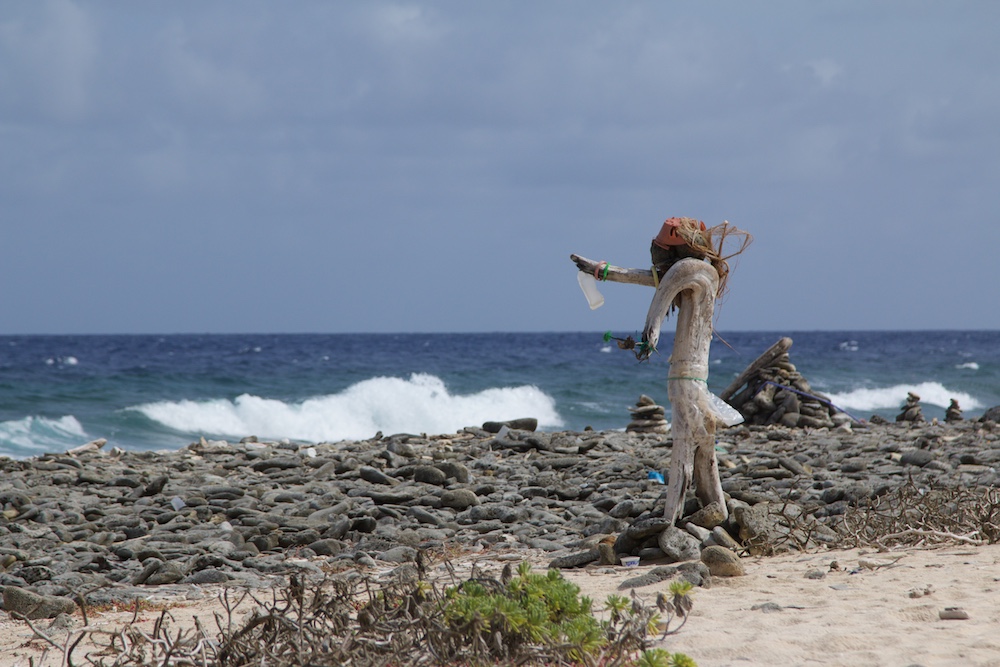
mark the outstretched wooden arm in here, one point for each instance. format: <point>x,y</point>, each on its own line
<point>616,274</point>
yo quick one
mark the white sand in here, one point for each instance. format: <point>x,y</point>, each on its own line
<point>855,616</point>
<point>862,614</point>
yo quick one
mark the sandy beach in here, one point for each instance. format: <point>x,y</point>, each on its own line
<point>868,608</point>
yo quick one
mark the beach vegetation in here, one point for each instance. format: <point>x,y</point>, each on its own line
<point>520,617</point>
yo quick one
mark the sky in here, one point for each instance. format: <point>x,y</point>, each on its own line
<point>249,166</point>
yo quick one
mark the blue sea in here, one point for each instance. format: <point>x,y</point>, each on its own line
<point>163,392</point>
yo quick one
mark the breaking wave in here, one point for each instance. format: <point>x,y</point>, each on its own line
<point>420,404</point>
<point>32,435</point>
<point>932,393</point>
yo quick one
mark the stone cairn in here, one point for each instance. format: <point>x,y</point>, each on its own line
<point>911,411</point>
<point>647,417</point>
<point>772,391</point>
<point>953,413</point>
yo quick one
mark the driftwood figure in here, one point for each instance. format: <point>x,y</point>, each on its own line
<point>693,274</point>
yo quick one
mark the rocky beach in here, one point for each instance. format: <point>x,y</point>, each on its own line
<point>114,526</point>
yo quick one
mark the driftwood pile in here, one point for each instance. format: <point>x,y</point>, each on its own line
<point>772,391</point>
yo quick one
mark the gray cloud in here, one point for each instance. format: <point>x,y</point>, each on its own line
<point>430,166</point>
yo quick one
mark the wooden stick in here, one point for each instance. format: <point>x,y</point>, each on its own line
<point>762,361</point>
<point>616,274</point>
<point>935,533</point>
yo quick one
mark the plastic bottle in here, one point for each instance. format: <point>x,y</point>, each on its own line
<point>589,286</point>
<point>727,414</point>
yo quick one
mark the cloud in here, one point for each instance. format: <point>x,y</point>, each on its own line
<point>826,71</point>
<point>50,62</point>
<point>205,83</point>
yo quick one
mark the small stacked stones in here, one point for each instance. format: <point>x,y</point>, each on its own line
<point>778,394</point>
<point>953,413</point>
<point>647,417</point>
<point>911,412</point>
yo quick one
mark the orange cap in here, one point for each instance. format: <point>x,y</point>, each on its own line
<point>668,235</point>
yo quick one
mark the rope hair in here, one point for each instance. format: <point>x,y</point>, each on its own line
<point>713,243</point>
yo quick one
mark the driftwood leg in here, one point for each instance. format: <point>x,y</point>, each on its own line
<point>693,421</point>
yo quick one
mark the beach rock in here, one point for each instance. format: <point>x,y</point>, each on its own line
<point>917,457</point>
<point>679,545</point>
<point>709,516</point>
<point>399,554</point>
<point>523,424</point>
<point>429,475</point>
<point>722,562</point>
<point>992,415</point>
<point>722,538</point>
<point>578,559</point>
<point>459,499</point>
<point>33,606</point>
<point>647,527</point>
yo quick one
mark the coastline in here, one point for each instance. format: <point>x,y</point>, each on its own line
<point>169,526</point>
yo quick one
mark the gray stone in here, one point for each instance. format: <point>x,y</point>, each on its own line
<point>34,606</point>
<point>622,510</point>
<point>679,545</point>
<point>722,562</point>
<point>607,555</point>
<point>497,511</point>
<point>722,538</point>
<point>453,469</point>
<point>399,555</point>
<point>459,499</point>
<point>709,516</point>
<point>376,476</point>
<point>646,527</point>
<point>167,573</point>
<point>699,533</point>
<point>916,457</point>
<point>209,576</point>
<point>328,547</point>
<point>654,576</point>
<point>429,475</point>
<point>523,424</point>
<point>578,559</point>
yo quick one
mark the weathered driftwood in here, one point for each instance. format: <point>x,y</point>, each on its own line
<point>696,284</point>
<point>764,360</point>
<point>693,419</point>
<point>616,274</point>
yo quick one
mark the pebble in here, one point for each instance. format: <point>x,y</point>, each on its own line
<point>121,523</point>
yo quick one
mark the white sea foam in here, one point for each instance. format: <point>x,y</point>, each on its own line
<point>421,404</point>
<point>971,365</point>
<point>64,361</point>
<point>884,398</point>
<point>41,433</point>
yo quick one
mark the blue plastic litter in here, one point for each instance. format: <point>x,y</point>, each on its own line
<point>656,476</point>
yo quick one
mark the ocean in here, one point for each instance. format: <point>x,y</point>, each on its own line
<point>162,392</point>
